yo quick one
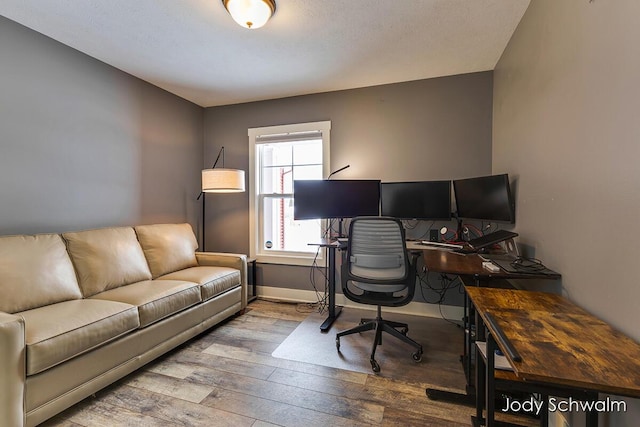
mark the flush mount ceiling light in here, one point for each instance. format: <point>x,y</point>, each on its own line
<point>250,13</point>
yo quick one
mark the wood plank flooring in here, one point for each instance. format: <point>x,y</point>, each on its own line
<point>227,377</point>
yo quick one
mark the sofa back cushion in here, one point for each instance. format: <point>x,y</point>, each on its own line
<point>35,271</point>
<point>168,247</point>
<point>106,258</point>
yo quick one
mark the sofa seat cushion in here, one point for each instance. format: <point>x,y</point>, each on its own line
<point>61,331</point>
<point>212,280</point>
<point>155,299</point>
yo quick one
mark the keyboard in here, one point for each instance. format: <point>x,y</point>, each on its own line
<point>441,245</point>
<point>492,239</point>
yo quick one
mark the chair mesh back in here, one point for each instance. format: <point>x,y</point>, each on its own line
<point>377,249</point>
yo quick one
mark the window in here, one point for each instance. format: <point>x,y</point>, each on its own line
<point>278,156</point>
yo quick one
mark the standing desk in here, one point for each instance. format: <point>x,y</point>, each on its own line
<point>469,268</point>
<point>553,345</point>
<point>334,311</point>
<point>331,246</point>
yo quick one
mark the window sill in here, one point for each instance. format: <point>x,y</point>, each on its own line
<point>290,260</point>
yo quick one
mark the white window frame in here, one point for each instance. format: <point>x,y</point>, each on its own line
<point>284,257</point>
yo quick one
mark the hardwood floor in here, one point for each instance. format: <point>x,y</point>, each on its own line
<point>227,377</point>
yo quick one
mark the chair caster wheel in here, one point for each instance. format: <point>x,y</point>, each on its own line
<point>338,344</point>
<point>375,366</point>
<point>417,356</point>
<point>404,331</point>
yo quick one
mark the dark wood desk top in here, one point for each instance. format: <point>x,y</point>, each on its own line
<point>560,343</point>
<point>449,262</point>
<point>444,261</point>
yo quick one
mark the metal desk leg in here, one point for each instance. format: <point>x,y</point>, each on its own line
<point>470,392</point>
<point>334,311</point>
<point>253,279</point>
<point>592,416</point>
<point>480,390</point>
<point>480,371</point>
<point>544,414</point>
<point>468,342</point>
<point>480,336</point>
<point>490,383</point>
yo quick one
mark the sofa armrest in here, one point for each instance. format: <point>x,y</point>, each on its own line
<point>221,259</point>
<point>12,369</point>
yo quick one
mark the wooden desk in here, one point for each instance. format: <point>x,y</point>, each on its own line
<point>556,344</point>
<point>448,262</point>
<point>469,267</point>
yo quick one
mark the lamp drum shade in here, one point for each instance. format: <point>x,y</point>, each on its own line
<point>222,180</point>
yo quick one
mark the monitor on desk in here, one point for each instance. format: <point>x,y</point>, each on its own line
<point>486,198</point>
<point>313,199</point>
<point>426,200</point>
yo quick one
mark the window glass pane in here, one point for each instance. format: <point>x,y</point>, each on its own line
<point>307,172</point>
<point>282,233</point>
<point>286,181</point>
<point>277,180</point>
<point>268,180</point>
<point>308,152</point>
<point>280,154</point>
<point>277,174</point>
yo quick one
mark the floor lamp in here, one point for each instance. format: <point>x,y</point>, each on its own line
<point>219,180</point>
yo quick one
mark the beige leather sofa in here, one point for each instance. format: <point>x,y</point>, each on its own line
<point>80,310</point>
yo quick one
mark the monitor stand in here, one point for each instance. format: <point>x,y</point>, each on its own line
<point>460,231</point>
<point>511,248</point>
<point>510,252</point>
<point>340,233</point>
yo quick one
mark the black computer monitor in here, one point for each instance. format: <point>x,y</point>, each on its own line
<point>426,200</point>
<point>348,198</point>
<point>486,198</point>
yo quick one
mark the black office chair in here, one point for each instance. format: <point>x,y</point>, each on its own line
<point>378,267</point>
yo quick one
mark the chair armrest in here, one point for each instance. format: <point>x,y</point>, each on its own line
<point>413,257</point>
<point>221,259</point>
<point>12,369</point>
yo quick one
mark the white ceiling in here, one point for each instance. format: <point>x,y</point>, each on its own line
<point>194,49</point>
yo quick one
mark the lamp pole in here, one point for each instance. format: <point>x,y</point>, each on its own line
<point>204,200</point>
<point>220,180</point>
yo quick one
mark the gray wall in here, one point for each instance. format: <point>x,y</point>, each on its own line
<point>85,145</point>
<point>421,130</point>
<point>566,103</point>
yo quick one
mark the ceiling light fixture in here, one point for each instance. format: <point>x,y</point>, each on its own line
<point>250,13</point>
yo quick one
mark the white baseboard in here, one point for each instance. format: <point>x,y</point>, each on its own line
<point>449,312</point>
